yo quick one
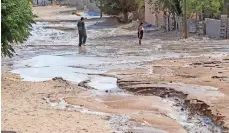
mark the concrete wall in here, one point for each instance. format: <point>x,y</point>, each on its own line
<point>213,28</point>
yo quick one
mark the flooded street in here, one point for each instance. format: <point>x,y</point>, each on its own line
<point>115,82</point>
<point>54,52</point>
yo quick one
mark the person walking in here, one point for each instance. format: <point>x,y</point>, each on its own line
<point>140,32</point>
<point>82,32</point>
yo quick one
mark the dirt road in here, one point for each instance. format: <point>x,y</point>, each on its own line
<point>167,85</point>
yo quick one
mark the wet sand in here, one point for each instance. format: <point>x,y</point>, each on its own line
<point>39,103</point>
<point>202,81</point>
<point>27,106</point>
<point>24,109</point>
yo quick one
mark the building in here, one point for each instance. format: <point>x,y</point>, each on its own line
<point>151,17</point>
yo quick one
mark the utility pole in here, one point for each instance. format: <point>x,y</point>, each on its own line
<point>185,20</point>
<point>101,12</point>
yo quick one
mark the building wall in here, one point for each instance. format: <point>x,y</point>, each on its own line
<point>151,18</point>
<point>213,28</point>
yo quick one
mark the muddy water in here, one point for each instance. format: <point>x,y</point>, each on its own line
<point>52,51</point>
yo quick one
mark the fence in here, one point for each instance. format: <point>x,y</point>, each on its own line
<point>173,23</point>
<point>214,28</point>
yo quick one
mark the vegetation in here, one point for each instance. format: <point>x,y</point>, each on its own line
<point>16,22</point>
<point>172,6</point>
<point>117,7</point>
<point>226,7</point>
<point>206,8</point>
<point>210,8</point>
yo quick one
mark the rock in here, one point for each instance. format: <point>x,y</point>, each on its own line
<point>57,78</point>
<point>107,118</point>
<point>207,121</point>
<point>218,77</point>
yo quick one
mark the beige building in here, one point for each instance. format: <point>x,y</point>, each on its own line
<point>150,16</point>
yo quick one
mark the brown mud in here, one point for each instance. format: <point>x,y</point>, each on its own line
<point>161,83</point>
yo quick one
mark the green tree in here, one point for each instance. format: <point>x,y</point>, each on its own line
<point>140,3</point>
<point>100,4</point>
<point>117,7</point>
<point>207,8</point>
<point>211,8</point>
<point>17,18</point>
<point>171,6</point>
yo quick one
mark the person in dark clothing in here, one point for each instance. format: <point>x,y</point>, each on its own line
<point>82,32</point>
<point>140,33</point>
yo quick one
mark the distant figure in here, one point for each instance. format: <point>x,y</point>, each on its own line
<point>82,32</point>
<point>140,33</point>
<point>86,10</point>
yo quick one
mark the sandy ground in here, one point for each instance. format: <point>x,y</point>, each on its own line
<point>56,14</point>
<point>205,72</point>
<point>24,109</point>
<point>53,13</point>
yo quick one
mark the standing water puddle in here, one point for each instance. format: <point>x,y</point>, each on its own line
<point>81,68</point>
<point>108,84</point>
